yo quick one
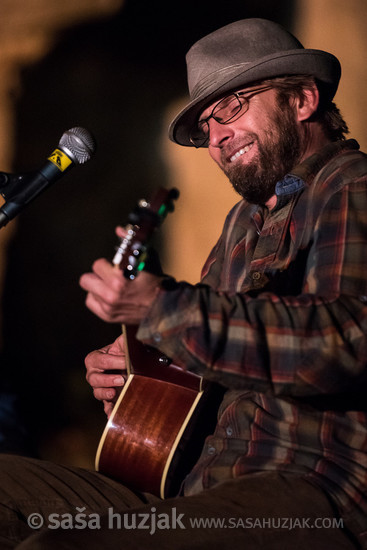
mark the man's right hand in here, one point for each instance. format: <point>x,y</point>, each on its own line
<point>107,385</point>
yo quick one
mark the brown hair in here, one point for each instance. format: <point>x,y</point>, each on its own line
<point>327,113</point>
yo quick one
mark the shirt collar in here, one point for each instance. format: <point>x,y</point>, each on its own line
<point>304,173</point>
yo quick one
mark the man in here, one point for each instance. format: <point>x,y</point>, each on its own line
<point>279,320</point>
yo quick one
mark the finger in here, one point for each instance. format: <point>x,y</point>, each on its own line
<point>106,312</point>
<point>118,346</point>
<point>98,380</point>
<point>102,271</point>
<point>108,292</point>
<point>120,232</point>
<point>93,283</point>
<point>105,270</point>
<point>98,361</point>
<point>106,394</point>
<point>108,408</point>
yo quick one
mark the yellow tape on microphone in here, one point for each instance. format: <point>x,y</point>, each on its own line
<point>59,159</point>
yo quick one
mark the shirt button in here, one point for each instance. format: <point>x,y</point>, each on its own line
<point>229,431</point>
<point>157,337</point>
<point>211,450</point>
<point>256,275</point>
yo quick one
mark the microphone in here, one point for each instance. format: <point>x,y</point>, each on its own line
<point>76,146</point>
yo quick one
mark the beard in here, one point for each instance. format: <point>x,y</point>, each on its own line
<point>278,152</point>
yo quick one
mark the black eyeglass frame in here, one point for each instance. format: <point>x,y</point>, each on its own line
<point>243,106</point>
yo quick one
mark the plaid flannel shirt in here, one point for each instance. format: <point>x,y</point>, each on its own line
<point>280,320</point>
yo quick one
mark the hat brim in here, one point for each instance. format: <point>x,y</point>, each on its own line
<point>324,66</point>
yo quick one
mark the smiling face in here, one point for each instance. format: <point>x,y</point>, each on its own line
<point>257,149</point>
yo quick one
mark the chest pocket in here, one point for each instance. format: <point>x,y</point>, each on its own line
<point>275,263</point>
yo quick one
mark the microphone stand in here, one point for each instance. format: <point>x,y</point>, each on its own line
<point>10,186</point>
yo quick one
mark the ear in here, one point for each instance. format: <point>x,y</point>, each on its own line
<point>307,105</point>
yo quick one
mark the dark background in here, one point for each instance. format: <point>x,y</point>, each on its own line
<point>115,78</point>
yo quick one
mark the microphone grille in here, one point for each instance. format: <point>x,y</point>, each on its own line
<point>79,143</point>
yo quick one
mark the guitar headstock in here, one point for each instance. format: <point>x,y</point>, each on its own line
<point>146,217</point>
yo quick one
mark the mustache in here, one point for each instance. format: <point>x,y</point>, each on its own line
<point>236,144</point>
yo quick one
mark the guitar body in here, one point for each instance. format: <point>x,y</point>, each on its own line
<point>157,428</point>
<point>138,450</point>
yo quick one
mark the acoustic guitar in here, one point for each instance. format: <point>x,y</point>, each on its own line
<point>157,428</point>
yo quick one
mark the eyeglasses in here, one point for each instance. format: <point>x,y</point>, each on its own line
<point>226,111</point>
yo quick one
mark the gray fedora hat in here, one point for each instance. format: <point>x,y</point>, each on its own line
<point>241,53</point>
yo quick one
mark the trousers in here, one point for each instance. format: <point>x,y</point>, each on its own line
<point>45,505</point>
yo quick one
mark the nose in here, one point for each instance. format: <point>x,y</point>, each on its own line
<point>219,133</point>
